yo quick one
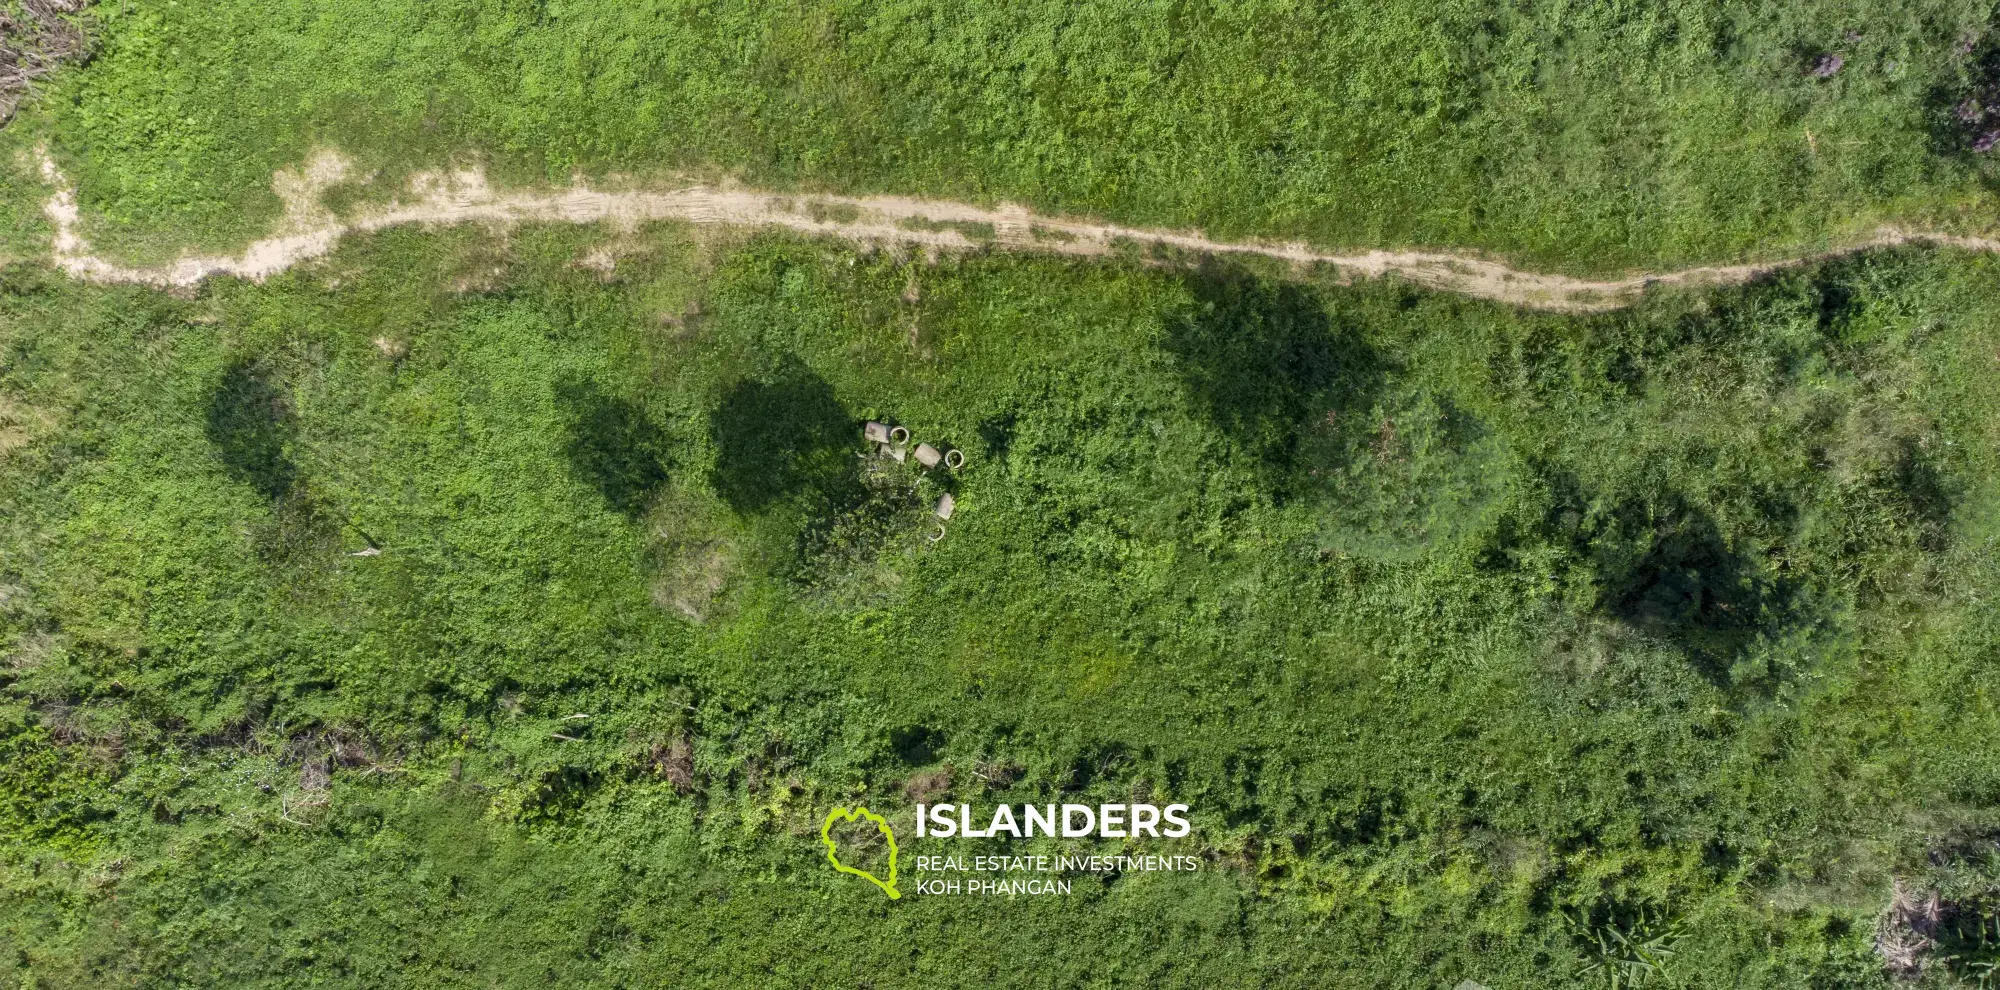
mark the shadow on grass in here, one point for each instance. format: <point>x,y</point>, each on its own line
<point>1264,361</point>
<point>787,457</point>
<point>783,437</point>
<point>1661,566</point>
<point>1668,570</point>
<point>251,426</point>
<point>613,445</point>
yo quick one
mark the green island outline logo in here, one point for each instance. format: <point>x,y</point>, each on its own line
<point>832,854</point>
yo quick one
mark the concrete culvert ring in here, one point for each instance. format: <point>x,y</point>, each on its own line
<point>898,435</point>
<point>939,535</point>
<point>954,459</point>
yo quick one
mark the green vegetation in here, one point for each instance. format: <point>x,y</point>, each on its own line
<point>977,232</point>
<point>472,610</point>
<point>1581,136</point>
<point>1535,650</point>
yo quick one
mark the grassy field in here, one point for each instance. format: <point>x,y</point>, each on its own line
<point>1571,136</point>
<point>509,606</point>
<point>1477,640</point>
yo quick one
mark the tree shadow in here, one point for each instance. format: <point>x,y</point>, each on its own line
<point>1925,493</point>
<point>251,426</point>
<point>1670,571</point>
<point>253,430</point>
<point>613,445</point>
<point>917,745</point>
<point>783,437</point>
<point>1263,359</point>
<point>1664,567</point>
<point>790,458</point>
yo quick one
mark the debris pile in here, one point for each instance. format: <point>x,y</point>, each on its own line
<point>35,36</point>
<point>1906,934</point>
<point>893,442</point>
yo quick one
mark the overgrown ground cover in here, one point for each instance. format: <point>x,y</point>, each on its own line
<point>1477,640</point>
<point>1579,136</point>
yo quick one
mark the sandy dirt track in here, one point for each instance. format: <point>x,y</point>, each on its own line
<point>309,231</point>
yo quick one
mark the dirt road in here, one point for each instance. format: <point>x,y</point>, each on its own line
<point>309,231</point>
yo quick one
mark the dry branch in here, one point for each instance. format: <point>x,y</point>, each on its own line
<point>35,37</point>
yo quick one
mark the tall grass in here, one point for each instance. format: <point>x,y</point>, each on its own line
<point>1582,137</point>
<point>1483,644</point>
